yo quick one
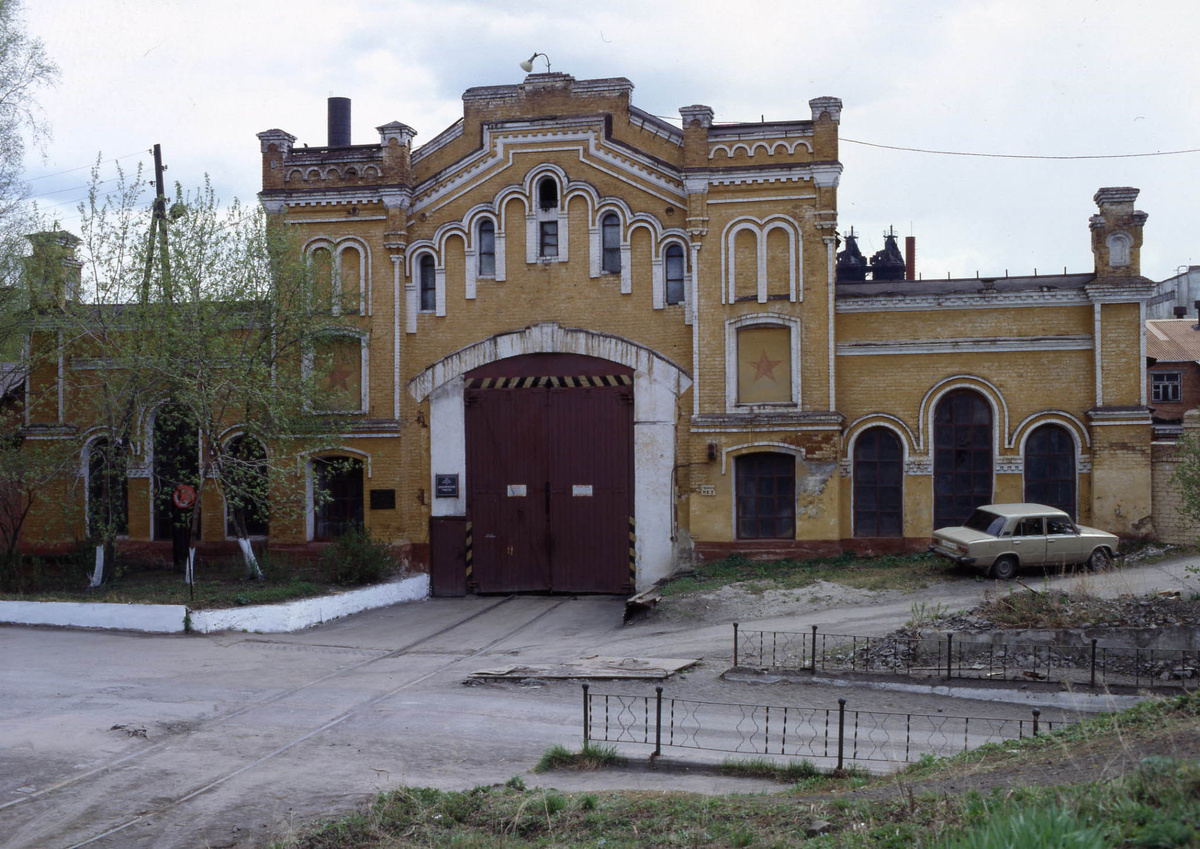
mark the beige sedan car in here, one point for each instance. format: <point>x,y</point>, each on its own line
<point>1000,539</point>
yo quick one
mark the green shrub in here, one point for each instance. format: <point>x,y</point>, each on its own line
<point>357,558</point>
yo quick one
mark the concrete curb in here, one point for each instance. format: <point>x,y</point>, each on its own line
<point>259,618</point>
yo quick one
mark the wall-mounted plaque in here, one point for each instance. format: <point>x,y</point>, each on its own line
<point>445,486</point>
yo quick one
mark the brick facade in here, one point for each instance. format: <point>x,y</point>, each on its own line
<point>753,208</point>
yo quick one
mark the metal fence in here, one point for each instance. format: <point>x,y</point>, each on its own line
<point>838,733</point>
<point>948,656</point>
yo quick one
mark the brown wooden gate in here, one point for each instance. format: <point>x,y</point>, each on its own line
<point>550,474</point>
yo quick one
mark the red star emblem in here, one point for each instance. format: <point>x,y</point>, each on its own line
<point>339,378</point>
<point>765,367</point>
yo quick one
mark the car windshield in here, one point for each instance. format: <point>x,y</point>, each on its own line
<point>985,521</point>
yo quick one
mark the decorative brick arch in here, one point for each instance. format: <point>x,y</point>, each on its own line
<point>657,384</point>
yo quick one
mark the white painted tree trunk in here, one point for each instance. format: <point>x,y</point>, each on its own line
<point>191,562</point>
<point>98,572</point>
<point>248,556</point>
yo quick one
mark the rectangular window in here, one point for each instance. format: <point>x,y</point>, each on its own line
<point>766,496</point>
<point>1166,387</point>
<point>548,243</point>
<point>487,249</point>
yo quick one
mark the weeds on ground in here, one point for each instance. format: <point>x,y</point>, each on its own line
<point>1044,608</point>
<point>886,572</point>
<point>787,772</point>
<point>591,756</point>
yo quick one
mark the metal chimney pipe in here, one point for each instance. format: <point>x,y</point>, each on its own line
<point>1181,312</point>
<point>910,257</point>
<point>339,122</point>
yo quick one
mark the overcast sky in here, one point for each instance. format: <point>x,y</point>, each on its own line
<point>1065,78</point>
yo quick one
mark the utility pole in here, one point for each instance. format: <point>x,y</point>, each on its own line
<point>158,232</point>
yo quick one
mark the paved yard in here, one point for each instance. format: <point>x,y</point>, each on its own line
<point>116,740</point>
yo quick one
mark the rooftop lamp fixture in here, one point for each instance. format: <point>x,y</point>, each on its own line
<point>527,65</point>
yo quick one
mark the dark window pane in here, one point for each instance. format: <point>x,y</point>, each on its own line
<point>766,496</point>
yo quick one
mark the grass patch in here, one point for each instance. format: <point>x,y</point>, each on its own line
<point>590,757</point>
<point>886,572</point>
<point>787,772</point>
<point>219,583</point>
<point>1041,609</point>
<point>1156,803</point>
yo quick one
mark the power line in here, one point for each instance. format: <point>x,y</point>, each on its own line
<point>84,167</point>
<point>1017,155</point>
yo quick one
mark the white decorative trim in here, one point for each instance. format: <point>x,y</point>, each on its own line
<point>761,228</point>
<point>919,465</point>
<point>346,220</point>
<point>762,319</point>
<point>751,150</point>
<point>581,136</point>
<point>767,199</point>
<point>978,344</point>
<point>961,301</point>
<point>1077,429</point>
<point>985,388</point>
<point>396,260</point>
<point>845,468</point>
<point>830,298</point>
<point>1097,331</point>
<point>1008,465</point>
<point>870,420</point>
<point>795,450</point>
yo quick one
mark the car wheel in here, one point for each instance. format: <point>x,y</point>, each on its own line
<point>1099,559</point>
<point>1005,568</point>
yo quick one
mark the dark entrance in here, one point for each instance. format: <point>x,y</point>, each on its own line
<point>878,484</point>
<point>1050,468</point>
<point>962,457</point>
<point>550,474</point>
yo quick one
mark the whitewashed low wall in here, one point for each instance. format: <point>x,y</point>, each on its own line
<point>169,618</point>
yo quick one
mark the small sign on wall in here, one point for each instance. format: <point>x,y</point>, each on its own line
<point>707,489</point>
<point>581,490</point>
<point>516,490</point>
<point>445,486</point>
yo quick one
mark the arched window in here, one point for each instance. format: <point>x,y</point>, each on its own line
<point>337,496</point>
<point>547,194</point>
<point>176,462</point>
<point>610,235</point>
<point>427,283</point>
<point>108,502</point>
<point>547,218</point>
<point>962,457</point>
<point>1050,468</point>
<point>766,496</point>
<point>878,484</point>
<point>487,248</point>
<point>676,272</point>
<point>246,488</point>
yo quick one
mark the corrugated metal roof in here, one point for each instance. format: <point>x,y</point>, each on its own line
<point>1173,340</point>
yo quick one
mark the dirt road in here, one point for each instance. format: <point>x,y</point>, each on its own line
<point>118,740</point>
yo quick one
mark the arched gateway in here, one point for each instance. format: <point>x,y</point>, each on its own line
<point>563,444</point>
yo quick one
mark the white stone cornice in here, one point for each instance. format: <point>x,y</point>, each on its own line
<point>402,133</point>
<point>961,301</point>
<point>396,198</point>
<point>283,141</point>
<point>970,345</point>
<point>826,174</point>
<point>1120,291</point>
<point>273,206</point>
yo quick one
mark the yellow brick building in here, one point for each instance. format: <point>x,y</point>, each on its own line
<point>591,345</point>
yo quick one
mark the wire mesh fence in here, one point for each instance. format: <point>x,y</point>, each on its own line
<point>840,734</point>
<point>967,656</point>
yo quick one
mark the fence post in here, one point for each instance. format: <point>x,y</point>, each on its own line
<point>735,644</point>
<point>949,654</point>
<point>587,731</point>
<point>841,730</point>
<point>813,659</point>
<point>1093,663</point>
<point>1036,714</point>
<point>658,720</point>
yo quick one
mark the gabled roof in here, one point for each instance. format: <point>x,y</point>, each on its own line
<point>1173,340</point>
